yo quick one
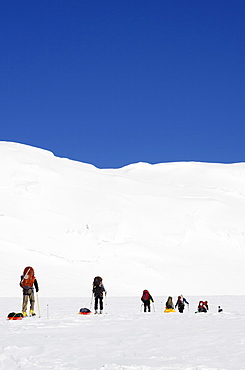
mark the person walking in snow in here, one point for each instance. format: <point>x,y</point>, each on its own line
<point>98,290</point>
<point>27,281</point>
<point>202,306</point>
<point>147,299</point>
<point>169,304</point>
<point>181,303</point>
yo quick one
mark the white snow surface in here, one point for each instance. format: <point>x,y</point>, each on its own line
<point>123,337</point>
<point>171,228</point>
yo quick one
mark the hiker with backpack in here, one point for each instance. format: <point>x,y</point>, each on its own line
<point>181,303</point>
<point>202,306</point>
<point>98,291</point>
<point>169,304</point>
<point>147,299</point>
<point>27,281</point>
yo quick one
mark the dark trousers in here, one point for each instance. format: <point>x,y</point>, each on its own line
<point>147,305</point>
<point>181,308</point>
<point>202,309</point>
<point>96,300</point>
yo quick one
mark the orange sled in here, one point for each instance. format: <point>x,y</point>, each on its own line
<point>15,316</point>
<point>84,311</point>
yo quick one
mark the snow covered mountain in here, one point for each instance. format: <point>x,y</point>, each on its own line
<point>171,228</point>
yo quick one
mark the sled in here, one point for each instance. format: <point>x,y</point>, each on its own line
<point>15,316</point>
<point>84,311</point>
<point>201,312</point>
<point>167,310</point>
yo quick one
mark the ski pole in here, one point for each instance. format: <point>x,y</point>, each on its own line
<point>38,305</point>
<point>91,301</point>
<point>141,307</point>
<point>153,306</point>
<point>106,303</point>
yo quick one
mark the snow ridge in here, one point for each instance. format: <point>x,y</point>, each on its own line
<point>170,227</point>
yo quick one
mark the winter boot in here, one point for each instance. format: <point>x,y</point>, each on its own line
<point>96,311</point>
<point>24,313</point>
<point>32,313</point>
<point>101,311</point>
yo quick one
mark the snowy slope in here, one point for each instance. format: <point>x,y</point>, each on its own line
<point>171,228</point>
<point>124,338</point>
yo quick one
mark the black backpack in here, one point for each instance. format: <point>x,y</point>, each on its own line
<point>97,281</point>
<point>97,285</point>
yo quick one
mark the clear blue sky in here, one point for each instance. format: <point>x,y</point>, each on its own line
<point>113,82</point>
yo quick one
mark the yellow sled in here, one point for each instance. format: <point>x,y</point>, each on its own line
<point>169,310</point>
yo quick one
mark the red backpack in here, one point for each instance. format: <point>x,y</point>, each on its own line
<point>27,278</point>
<point>146,295</point>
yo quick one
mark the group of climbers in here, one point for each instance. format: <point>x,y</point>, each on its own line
<point>147,300</point>
<point>28,282</point>
<point>169,305</point>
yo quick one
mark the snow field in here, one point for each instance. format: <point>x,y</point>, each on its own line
<point>170,226</point>
<point>124,337</point>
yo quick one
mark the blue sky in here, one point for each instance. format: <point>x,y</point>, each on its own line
<point>114,82</point>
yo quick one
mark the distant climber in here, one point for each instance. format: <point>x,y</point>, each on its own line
<point>147,299</point>
<point>26,283</point>
<point>181,301</point>
<point>202,306</point>
<point>169,304</point>
<point>98,290</point>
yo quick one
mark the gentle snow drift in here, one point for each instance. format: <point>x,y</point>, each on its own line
<point>171,228</point>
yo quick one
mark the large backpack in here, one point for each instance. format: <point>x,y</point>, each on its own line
<point>180,301</point>
<point>169,303</point>
<point>202,307</point>
<point>97,281</point>
<point>97,285</point>
<point>201,304</point>
<point>28,278</point>
<point>146,295</point>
